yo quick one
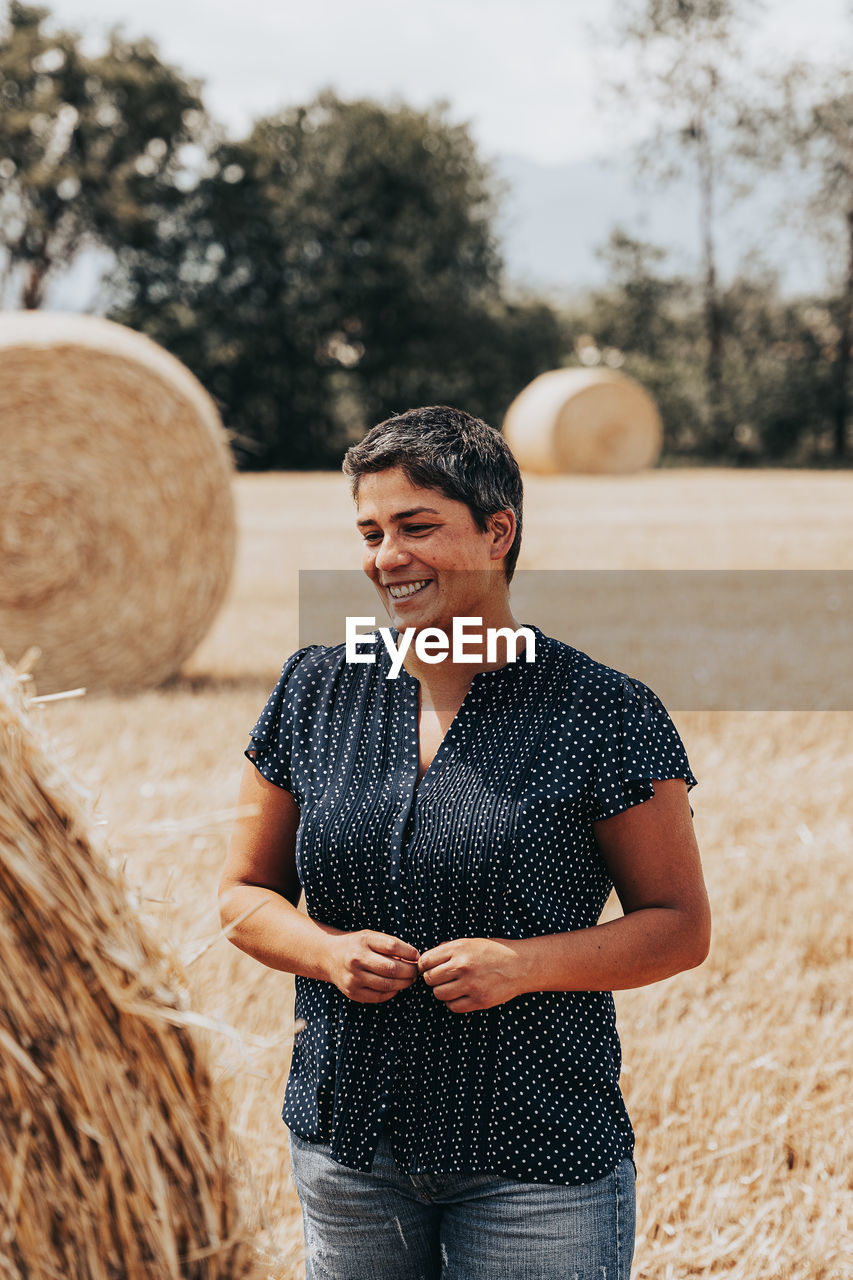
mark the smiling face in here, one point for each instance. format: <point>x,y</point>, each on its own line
<point>426,556</point>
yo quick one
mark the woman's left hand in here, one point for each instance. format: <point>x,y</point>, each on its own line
<point>472,973</point>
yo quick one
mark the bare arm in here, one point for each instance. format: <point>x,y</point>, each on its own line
<point>260,872</point>
<point>653,857</point>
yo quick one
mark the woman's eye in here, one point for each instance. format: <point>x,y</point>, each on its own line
<point>416,529</point>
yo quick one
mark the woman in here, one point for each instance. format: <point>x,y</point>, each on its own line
<point>453,1100</point>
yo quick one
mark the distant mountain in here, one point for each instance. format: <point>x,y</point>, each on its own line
<point>555,217</point>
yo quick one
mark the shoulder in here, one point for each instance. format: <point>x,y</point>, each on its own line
<point>592,682</point>
<point>312,667</point>
<point>603,702</point>
<point>318,671</point>
<point>609,682</point>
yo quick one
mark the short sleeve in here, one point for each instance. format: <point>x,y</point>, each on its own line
<point>640,742</point>
<point>271,738</point>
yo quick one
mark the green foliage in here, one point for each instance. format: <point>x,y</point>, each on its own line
<point>688,65</point>
<point>339,263</point>
<point>698,20</point>
<point>779,372</point>
<point>778,368</point>
<point>91,148</point>
<point>805,120</point>
<point>336,266</point>
<point>642,310</point>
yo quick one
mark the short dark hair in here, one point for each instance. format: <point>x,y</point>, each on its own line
<point>439,447</point>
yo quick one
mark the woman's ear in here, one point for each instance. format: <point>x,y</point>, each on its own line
<point>502,530</point>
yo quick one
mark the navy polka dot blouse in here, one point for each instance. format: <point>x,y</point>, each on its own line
<point>496,841</point>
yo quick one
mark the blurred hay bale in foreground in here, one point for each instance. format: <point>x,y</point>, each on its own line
<point>113,1146</point>
<point>584,420</point>
<point>117,524</point>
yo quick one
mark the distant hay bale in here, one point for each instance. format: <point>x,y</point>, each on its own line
<point>113,1159</point>
<point>117,525</point>
<point>595,421</point>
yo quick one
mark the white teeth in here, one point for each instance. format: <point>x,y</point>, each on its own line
<point>406,589</point>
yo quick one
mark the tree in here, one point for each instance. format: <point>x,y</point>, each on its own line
<point>687,54</point>
<point>779,356</point>
<point>779,375</point>
<point>92,149</point>
<point>638,313</point>
<point>337,265</point>
<point>650,325</point>
<point>807,117</point>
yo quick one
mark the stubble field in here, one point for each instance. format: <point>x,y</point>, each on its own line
<point>736,1074</point>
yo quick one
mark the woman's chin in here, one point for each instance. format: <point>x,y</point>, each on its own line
<point>402,619</point>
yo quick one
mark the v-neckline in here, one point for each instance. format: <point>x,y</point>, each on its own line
<point>440,749</point>
<point>443,746</point>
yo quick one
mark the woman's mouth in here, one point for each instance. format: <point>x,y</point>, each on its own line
<point>403,590</point>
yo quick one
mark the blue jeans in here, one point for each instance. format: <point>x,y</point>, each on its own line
<point>390,1225</point>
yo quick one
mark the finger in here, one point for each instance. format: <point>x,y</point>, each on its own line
<point>365,996</point>
<point>435,956</point>
<point>386,944</point>
<point>378,966</point>
<point>449,990</point>
<point>372,982</point>
<point>441,973</point>
<point>465,1004</point>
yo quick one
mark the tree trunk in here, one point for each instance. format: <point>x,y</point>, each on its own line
<point>842,363</point>
<point>33,295</point>
<point>713,315</point>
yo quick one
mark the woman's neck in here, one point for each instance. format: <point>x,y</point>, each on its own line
<point>444,680</point>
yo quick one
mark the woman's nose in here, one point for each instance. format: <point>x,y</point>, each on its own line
<point>390,553</point>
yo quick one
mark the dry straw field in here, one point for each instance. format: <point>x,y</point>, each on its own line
<point>736,1074</point>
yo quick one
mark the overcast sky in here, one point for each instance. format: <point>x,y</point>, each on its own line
<point>523,73</point>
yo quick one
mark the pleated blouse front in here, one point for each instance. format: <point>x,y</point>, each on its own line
<point>496,841</point>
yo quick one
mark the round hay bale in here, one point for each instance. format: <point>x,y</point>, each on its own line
<point>117,524</point>
<point>113,1145</point>
<point>594,421</point>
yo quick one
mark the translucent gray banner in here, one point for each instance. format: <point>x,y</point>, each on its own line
<point>715,640</point>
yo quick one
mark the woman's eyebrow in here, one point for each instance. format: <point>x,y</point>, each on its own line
<point>399,515</point>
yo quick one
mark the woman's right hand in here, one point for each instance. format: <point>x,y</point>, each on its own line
<point>371,967</point>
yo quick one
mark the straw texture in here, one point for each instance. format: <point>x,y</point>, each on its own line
<point>117,525</point>
<point>595,421</point>
<point>113,1158</point>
